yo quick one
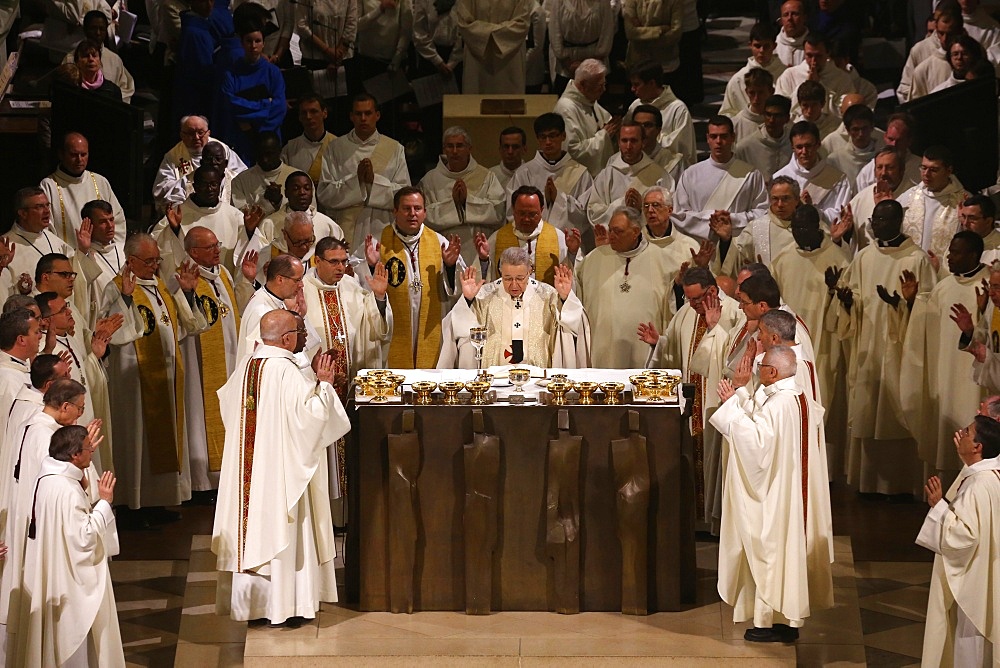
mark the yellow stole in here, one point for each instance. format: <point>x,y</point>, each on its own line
<point>994,342</point>
<point>546,251</point>
<point>213,362</point>
<point>397,260</point>
<point>164,435</point>
<point>316,168</point>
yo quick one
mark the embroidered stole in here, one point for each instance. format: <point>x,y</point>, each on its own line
<point>337,336</point>
<point>164,432</point>
<point>698,421</point>
<point>941,232</point>
<point>546,250</point>
<point>248,438</point>
<point>213,362</point>
<point>804,463</point>
<point>396,258</point>
<point>316,168</point>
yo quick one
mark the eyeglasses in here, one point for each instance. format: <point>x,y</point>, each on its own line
<point>216,246</point>
<point>69,275</point>
<point>151,262</point>
<point>296,332</point>
<point>761,366</point>
<point>200,134</point>
<point>77,406</point>
<point>37,207</point>
<point>514,280</point>
<point>292,278</point>
<point>335,261</point>
<point>653,205</point>
<point>300,243</point>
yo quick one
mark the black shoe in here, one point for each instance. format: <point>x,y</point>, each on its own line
<point>205,498</point>
<point>788,633</point>
<point>763,635</point>
<point>160,515</point>
<point>132,520</point>
<point>339,531</point>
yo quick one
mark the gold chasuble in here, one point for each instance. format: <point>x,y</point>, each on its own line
<point>212,345</point>
<point>546,250</point>
<point>401,265</point>
<point>165,434</point>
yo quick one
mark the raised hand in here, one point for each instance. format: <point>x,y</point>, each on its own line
<point>248,265</point>
<point>725,390</point>
<point>679,278</point>
<point>633,199</point>
<point>806,197</point>
<point>551,192</point>
<point>978,350</point>
<point>128,281</point>
<point>482,246</point>
<point>6,252</point>
<point>372,251</point>
<point>883,294</point>
<point>272,193</point>
<point>366,173</point>
<point>300,301</point>
<point>832,276</point>
<point>174,216</point>
<point>50,340</point>
<point>722,224</point>
<point>600,235</point>
<point>25,284</point>
<point>94,433</point>
<point>106,486</point>
<point>935,260</point>
<point>713,309</point>
<point>846,297</point>
<point>379,282</point>
<point>471,282</point>
<point>452,251</point>
<point>961,317</point>
<point>83,236</point>
<point>842,225</point>
<point>573,240</point>
<point>188,275</point>
<point>983,298</point>
<point>883,191</point>
<point>933,487</point>
<point>703,256</point>
<point>744,368</point>
<point>908,285</point>
<point>563,281</point>
<point>323,366</point>
<point>252,215</point>
<point>647,333</point>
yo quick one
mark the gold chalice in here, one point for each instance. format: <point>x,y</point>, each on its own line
<point>586,388</point>
<point>423,388</point>
<point>655,387</point>
<point>381,387</point>
<point>558,390</point>
<point>518,378</point>
<point>397,380</point>
<point>451,388</point>
<point>478,388</point>
<point>639,384</point>
<point>672,383</point>
<point>612,393</point>
<point>361,383</point>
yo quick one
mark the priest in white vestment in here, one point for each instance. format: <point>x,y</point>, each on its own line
<point>299,198</point>
<point>765,237</point>
<point>564,181</point>
<point>775,547</point>
<point>659,230</point>
<point>590,129</point>
<point>815,66</point>
<point>650,120</point>
<point>263,184</point>
<point>354,325</point>
<point>273,533</point>
<point>305,152</point>
<point>153,463</point>
<point>978,213</point>
<point>68,614</point>
<point>722,190</point>
<point>931,218</point>
<point>872,320</point>
<point>621,283</point>
<point>706,317</point>
<point>792,36</point>
<point>20,334</point>
<point>821,184</point>
<point>526,321</point>
<point>677,129</point>
<point>209,359</point>
<point>625,178</point>
<point>937,397</point>
<point>546,246</point>
<point>762,56</point>
<point>840,137</point>
<point>768,148</point>
<point>800,271</point>
<point>862,147</point>
<point>362,170</point>
<point>494,34</point>
<point>898,135</point>
<point>173,178</point>
<point>963,624</point>
<point>463,197</point>
<point>31,238</point>
<point>513,145</point>
<point>72,185</point>
<point>423,269</point>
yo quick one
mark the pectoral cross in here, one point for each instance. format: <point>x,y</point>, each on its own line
<point>517,302</point>
<point>165,319</point>
<point>341,338</point>
<point>223,309</point>
<point>416,285</point>
<point>625,286</point>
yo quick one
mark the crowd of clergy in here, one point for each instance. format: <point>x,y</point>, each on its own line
<point>798,277</point>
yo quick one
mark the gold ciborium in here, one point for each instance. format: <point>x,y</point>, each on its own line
<point>655,388</point>
<point>558,390</point>
<point>478,388</point>
<point>586,388</point>
<point>672,383</point>
<point>397,380</point>
<point>361,383</point>
<point>381,387</point>
<point>518,378</point>
<point>639,384</point>
<point>451,388</point>
<point>423,388</point>
<point>487,377</point>
<point>612,393</point>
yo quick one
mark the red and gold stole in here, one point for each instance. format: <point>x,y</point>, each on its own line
<point>164,432</point>
<point>804,410</point>
<point>336,333</point>
<point>248,438</point>
<point>697,420</point>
